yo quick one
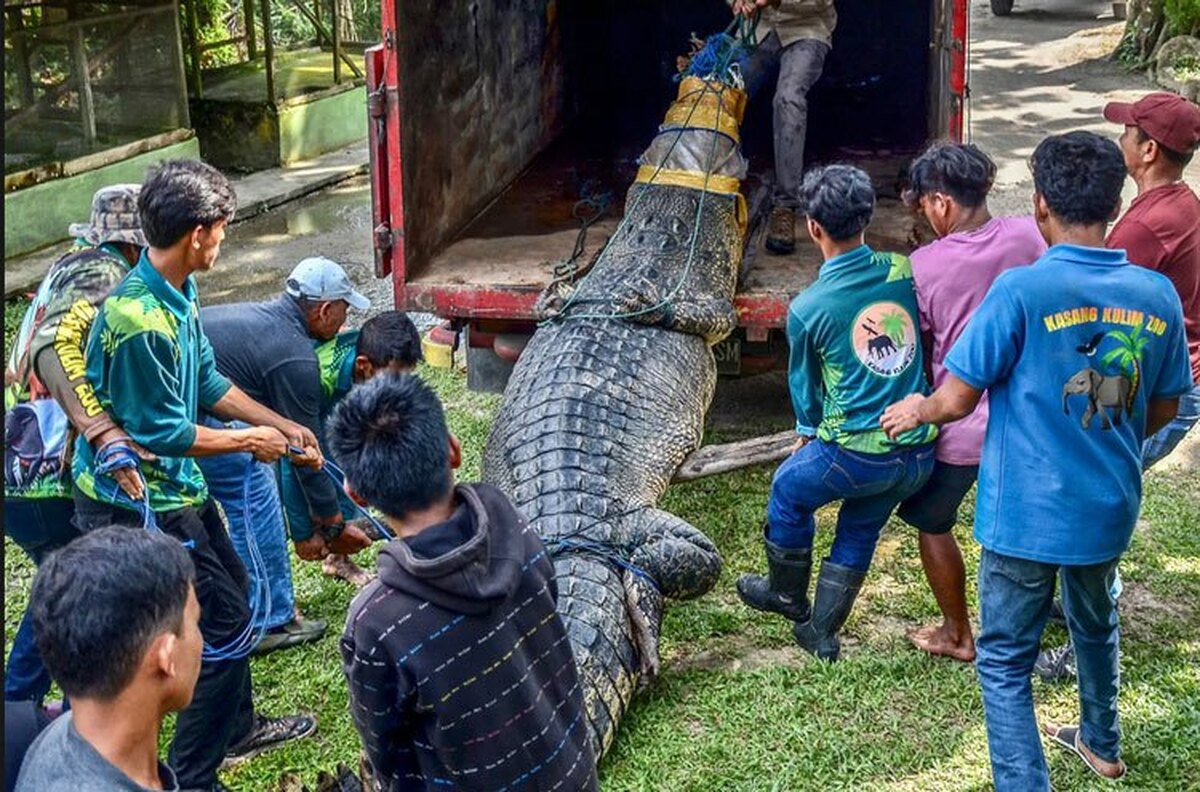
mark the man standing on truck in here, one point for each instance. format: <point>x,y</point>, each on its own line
<point>800,37</point>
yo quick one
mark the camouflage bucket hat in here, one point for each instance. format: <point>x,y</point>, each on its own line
<point>114,217</point>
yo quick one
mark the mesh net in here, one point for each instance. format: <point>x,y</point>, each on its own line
<point>78,83</point>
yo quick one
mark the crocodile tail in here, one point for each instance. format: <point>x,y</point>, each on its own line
<point>593,604</point>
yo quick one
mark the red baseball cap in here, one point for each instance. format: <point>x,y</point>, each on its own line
<point>1168,118</point>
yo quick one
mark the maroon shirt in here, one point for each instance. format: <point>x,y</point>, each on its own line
<point>1161,231</point>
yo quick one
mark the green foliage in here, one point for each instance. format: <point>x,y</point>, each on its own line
<point>1183,16</point>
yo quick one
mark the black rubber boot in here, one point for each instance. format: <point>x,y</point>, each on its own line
<point>837,588</point>
<point>785,589</point>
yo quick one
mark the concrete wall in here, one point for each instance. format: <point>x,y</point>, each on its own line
<point>39,215</point>
<point>245,136</point>
<point>313,128</point>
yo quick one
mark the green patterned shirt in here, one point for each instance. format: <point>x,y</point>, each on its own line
<point>152,369</point>
<point>855,348</point>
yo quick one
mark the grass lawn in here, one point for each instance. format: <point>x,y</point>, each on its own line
<point>738,707</point>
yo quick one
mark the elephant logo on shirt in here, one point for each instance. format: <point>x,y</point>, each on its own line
<point>1106,395</point>
<point>1110,395</point>
<point>884,338</point>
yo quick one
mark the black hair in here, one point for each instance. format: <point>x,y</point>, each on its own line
<point>1180,159</point>
<point>1080,176</point>
<point>959,170</point>
<point>840,199</point>
<point>99,602</point>
<point>179,195</point>
<point>390,438</point>
<point>390,337</point>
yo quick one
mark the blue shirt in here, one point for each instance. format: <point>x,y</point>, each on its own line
<point>152,369</point>
<point>1070,350</point>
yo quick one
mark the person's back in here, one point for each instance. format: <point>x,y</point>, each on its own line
<point>255,342</point>
<point>860,322</point>
<point>1068,418</point>
<point>460,672</point>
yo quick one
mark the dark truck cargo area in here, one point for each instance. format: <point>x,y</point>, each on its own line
<point>512,112</point>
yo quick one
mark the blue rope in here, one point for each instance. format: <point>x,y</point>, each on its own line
<point>334,472</point>
<point>117,455</point>
<point>557,546</point>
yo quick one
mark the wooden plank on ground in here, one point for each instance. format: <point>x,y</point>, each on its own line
<point>726,457</point>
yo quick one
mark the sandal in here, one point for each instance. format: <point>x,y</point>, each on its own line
<point>1067,737</point>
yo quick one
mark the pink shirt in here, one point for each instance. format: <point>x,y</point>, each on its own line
<point>952,275</point>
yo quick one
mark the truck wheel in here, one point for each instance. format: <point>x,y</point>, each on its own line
<point>1002,7</point>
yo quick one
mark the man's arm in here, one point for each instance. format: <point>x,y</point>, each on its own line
<point>1140,244</point>
<point>951,402</point>
<point>147,401</point>
<point>1159,413</point>
<point>57,355</point>
<point>379,701</point>
<point>293,388</point>
<point>804,378</point>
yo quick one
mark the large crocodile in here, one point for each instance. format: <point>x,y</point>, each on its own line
<point>610,394</point>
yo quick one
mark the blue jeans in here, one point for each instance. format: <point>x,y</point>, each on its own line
<point>231,479</point>
<point>1164,440</point>
<point>39,526</point>
<point>1014,602</point>
<point>870,487</point>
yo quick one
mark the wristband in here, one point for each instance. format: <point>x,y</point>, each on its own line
<point>332,532</point>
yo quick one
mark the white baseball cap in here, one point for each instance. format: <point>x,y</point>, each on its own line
<point>323,279</point>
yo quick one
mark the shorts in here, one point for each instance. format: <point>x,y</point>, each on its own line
<point>934,508</point>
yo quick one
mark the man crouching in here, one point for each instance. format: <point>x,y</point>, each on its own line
<point>459,668</point>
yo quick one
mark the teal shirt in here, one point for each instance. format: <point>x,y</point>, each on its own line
<point>855,348</point>
<point>153,370</point>
<point>335,365</point>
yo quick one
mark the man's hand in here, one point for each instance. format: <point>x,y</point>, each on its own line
<point>747,8</point>
<point>300,436</point>
<point>801,441</point>
<point>266,443</point>
<point>351,540</point>
<point>902,416</point>
<point>128,479</point>
<point>312,549</point>
<point>311,458</point>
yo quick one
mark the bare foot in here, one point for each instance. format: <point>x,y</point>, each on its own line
<point>341,566</point>
<point>1110,770</point>
<point>937,640</point>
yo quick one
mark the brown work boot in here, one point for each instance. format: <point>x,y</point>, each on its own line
<point>781,233</point>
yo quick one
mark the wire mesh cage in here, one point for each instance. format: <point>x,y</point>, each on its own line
<point>81,78</point>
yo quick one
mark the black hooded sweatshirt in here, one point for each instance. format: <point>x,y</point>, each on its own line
<point>460,672</point>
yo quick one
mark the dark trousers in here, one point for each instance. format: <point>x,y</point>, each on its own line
<point>799,67</point>
<point>38,526</point>
<point>221,712</point>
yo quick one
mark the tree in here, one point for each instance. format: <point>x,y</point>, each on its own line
<point>1128,356</point>
<point>1150,23</point>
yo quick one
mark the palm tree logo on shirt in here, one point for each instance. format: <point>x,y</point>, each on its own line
<point>1128,355</point>
<point>884,338</point>
<point>1109,394</point>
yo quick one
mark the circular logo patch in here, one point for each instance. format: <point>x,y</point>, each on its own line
<point>884,338</point>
